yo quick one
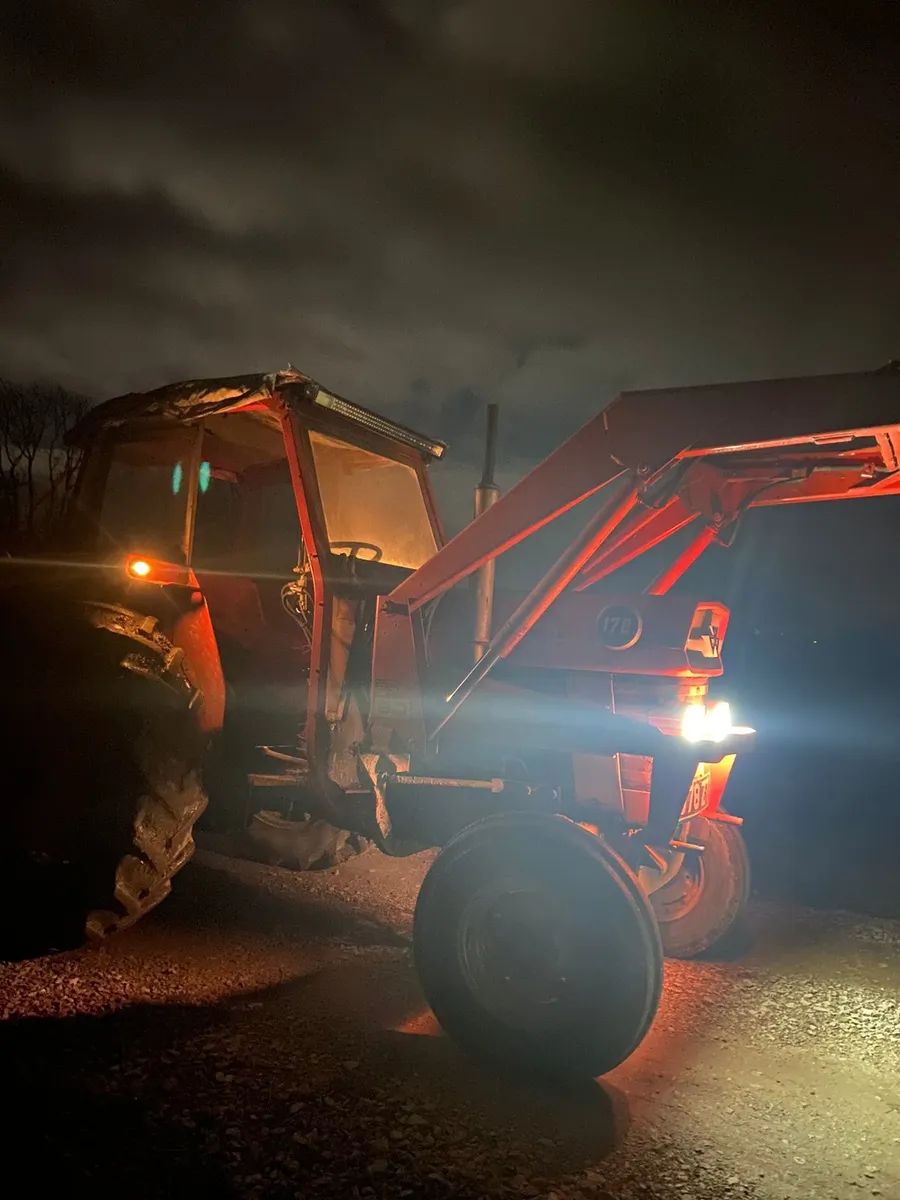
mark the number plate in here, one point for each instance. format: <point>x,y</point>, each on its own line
<point>697,797</point>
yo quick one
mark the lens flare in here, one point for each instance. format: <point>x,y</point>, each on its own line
<point>718,721</point>
<point>702,724</point>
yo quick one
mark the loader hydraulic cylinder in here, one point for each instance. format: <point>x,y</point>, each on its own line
<point>486,494</point>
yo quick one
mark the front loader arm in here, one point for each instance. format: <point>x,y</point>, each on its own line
<point>670,459</point>
<point>770,442</point>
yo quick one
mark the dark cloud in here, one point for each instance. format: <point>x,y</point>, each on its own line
<point>428,205</point>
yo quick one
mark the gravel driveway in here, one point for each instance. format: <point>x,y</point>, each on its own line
<point>262,1034</point>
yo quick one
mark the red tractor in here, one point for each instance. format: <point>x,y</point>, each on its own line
<point>252,603</point>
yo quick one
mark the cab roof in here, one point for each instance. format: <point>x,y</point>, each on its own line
<point>194,399</point>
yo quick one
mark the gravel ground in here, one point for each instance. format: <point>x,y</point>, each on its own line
<point>262,1035</point>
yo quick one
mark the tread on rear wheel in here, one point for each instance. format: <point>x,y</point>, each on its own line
<point>107,818</point>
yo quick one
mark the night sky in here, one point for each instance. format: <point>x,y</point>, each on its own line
<point>428,205</point>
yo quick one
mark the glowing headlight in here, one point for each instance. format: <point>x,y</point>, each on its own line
<point>707,724</point>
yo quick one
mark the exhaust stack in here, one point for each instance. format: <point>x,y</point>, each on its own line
<point>486,494</point>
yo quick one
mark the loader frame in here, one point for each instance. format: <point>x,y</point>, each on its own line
<point>730,448</point>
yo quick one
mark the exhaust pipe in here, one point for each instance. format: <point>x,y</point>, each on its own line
<point>486,494</point>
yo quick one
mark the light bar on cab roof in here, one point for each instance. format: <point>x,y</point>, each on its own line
<point>370,420</point>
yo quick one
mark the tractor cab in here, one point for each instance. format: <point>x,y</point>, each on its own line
<point>252,492</point>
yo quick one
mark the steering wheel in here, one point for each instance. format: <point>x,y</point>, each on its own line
<point>355,547</point>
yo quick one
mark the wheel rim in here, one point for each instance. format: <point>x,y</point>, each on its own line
<point>517,951</point>
<point>682,894</point>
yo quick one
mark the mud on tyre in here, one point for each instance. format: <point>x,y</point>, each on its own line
<point>106,751</point>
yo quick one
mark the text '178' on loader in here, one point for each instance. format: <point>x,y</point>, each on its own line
<point>252,606</point>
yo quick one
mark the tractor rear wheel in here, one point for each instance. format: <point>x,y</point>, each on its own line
<point>109,754</point>
<point>701,908</point>
<point>536,947</point>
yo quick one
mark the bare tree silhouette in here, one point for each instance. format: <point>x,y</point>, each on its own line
<point>37,465</point>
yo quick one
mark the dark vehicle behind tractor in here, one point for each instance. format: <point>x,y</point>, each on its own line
<point>252,610</point>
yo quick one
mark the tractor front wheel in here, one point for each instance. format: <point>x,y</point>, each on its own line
<point>536,947</point>
<point>299,845</point>
<point>702,907</point>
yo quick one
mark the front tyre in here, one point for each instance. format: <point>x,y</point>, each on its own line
<point>536,947</point>
<point>300,845</point>
<point>702,907</point>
